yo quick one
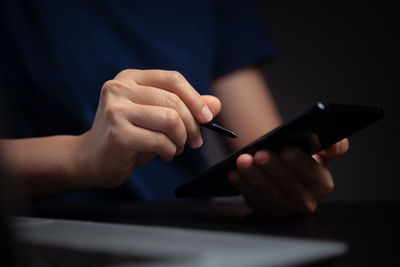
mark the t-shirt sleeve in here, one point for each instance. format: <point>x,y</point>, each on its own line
<point>242,38</point>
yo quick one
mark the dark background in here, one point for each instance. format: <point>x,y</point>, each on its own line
<point>345,53</point>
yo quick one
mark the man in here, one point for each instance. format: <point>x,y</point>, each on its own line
<point>58,55</point>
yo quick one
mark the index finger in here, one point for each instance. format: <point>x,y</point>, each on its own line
<point>174,82</point>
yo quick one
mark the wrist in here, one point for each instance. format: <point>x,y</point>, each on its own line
<point>48,165</point>
<point>80,171</point>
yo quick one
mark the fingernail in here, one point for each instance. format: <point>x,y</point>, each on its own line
<point>206,114</point>
<point>197,142</point>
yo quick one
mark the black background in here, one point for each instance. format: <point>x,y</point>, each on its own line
<point>346,53</point>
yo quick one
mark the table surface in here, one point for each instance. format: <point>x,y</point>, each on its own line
<point>370,229</point>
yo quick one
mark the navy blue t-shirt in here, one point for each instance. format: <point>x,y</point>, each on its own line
<point>55,56</point>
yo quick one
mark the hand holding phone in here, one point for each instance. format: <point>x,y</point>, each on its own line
<point>321,126</point>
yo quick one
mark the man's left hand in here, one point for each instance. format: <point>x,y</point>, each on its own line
<point>291,182</point>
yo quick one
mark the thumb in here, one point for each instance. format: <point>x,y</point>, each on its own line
<point>213,103</point>
<point>336,150</point>
<point>332,152</point>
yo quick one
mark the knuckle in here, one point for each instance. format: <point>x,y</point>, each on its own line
<point>158,142</point>
<point>172,124</point>
<point>125,72</point>
<point>171,100</point>
<point>195,99</point>
<point>171,119</point>
<point>112,112</point>
<point>112,87</point>
<point>108,87</point>
<point>174,77</point>
<point>193,130</point>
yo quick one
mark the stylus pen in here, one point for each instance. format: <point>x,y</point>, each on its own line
<point>219,129</point>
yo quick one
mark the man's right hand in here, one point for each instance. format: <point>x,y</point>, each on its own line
<point>141,114</point>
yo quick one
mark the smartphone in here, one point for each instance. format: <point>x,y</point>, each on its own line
<point>317,128</point>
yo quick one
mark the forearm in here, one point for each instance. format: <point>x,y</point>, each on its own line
<point>248,107</point>
<point>48,165</point>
